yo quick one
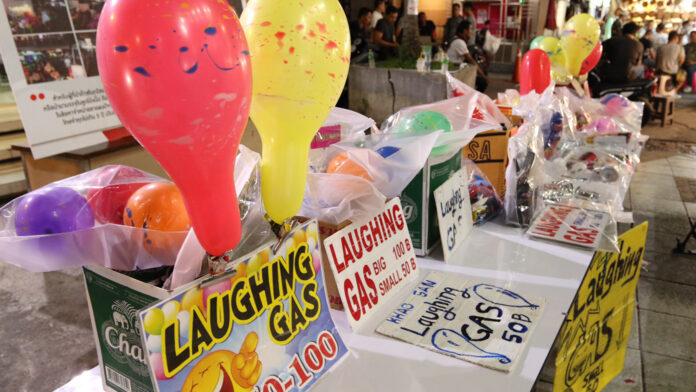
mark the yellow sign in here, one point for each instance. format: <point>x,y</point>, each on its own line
<point>593,339</point>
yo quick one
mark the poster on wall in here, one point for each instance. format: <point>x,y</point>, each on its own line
<point>262,326</point>
<point>48,48</point>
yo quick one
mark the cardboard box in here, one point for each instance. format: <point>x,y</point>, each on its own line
<point>507,111</point>
<point>326,230</point>
<point>114,301</point>
<point>419,203</point>
<point>489,151</point>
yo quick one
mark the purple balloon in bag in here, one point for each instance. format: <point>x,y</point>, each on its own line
<point>52,210</point>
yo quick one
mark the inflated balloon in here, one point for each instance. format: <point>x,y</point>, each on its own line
<point>52,210</point>
<point>536,72</point>
<point>592,60</point>
<point>560,75</point>
<point>535,42</point>
<point>579,38</point>
<point>615,104</point>
<point>300,54</point>
<point>552,47</point>
<point>178,76</point>
<point>112,188</point>
<point>158,206</point>
<point>425,121</point>
<point>341,164</point>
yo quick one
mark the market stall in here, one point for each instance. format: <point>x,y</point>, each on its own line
<point>463,242</point>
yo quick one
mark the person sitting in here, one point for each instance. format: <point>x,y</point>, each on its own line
<point>670,57</point>
<point>690,61</point>
<point>648,50</point>
<point>452,24</point>
<point>426,28</point>
<point>384,35</point>
<point>360,34</point>
<point>458,53</point>
<point>622,56</point>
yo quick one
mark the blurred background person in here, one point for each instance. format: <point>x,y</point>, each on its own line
<point>452,24</point>
<point>378,12</point>
<point>426,28</point>
<point>690,62</point>
<point>469,13</point>
<point>622,57</point>
<point>384,35</point>
<point>670,57</point>
<point>458,53</point>
<point>648,50</point>
<point>660,36</point>
<point>360,35</point>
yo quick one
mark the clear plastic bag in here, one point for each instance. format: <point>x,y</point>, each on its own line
<point>485,202</point>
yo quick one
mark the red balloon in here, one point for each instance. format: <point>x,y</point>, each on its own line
<point>112,188</point>
<point>536,72</point>
<point>178,76</point>
<point>592,59</point>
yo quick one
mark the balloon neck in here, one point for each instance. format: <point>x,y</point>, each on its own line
<point>283,177</point>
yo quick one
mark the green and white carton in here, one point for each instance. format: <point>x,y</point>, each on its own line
<point>115,300</point>
<point>419,203</point>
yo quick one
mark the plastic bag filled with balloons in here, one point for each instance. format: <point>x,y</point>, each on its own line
<point>115,216</point>
<point>574,54</point>
<point>485,202</point>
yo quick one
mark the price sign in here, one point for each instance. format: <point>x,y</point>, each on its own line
<point>570,225</point>
<point>264,325</point>
<point>474,321</point>
<point>453,212</point>
<point>370,260</point>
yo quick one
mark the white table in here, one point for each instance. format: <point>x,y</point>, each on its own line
<point>494,253</point>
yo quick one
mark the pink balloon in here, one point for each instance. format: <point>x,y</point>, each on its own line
<point>536,72</point>
<point>592,59</point>
<point>157,366</point>
<point>178,76</point>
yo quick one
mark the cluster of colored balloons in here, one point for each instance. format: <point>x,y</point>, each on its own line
<point>182,86</point>
<point>115,195</point>
<point>577,51</point>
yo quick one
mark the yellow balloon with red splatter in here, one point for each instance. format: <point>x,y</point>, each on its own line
<point>300,54</point>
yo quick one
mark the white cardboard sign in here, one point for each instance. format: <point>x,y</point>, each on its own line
<point>453,212</point>
<point>49,52</point>
<point>466,319</point>
<point>371,260</point>
<point>570,225</point>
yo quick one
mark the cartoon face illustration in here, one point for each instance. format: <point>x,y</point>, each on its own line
<point>488,292</point>
<point>452,342</point>
<point>225,371</point>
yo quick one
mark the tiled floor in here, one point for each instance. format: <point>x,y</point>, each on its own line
<point>662,349</point>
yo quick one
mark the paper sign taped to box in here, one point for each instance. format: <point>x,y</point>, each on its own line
<point>266,325</point>
<point>453,212</point>
<point>371,260</point>
<point>467,319</point>
<point>570,225</point>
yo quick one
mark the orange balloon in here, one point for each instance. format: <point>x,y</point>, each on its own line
<point>342,165</point>
<point>157,206</point>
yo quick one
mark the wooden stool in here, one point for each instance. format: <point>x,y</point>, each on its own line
<point>664,108</point>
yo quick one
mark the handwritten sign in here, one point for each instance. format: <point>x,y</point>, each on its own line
<point>370,260</point>
<point>570,225</point>
<point>593,340</point>
<point>453,212</point>
<point>266,326</point>
<point>470,320</point>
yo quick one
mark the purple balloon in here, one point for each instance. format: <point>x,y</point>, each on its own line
<point>53,210</point>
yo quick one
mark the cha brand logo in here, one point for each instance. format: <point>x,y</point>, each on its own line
<point>121,334</point>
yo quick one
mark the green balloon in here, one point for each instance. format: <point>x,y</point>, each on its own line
<point>424,122</point>
<point>535,42</point>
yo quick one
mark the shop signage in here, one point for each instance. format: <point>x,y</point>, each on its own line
<point>266,325</point>
<point>478,322</point>
<point>570,225</point>
<point>593,340</point>
<point>371,260</point>
<point>453,212</point>
<point>49,53</point>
